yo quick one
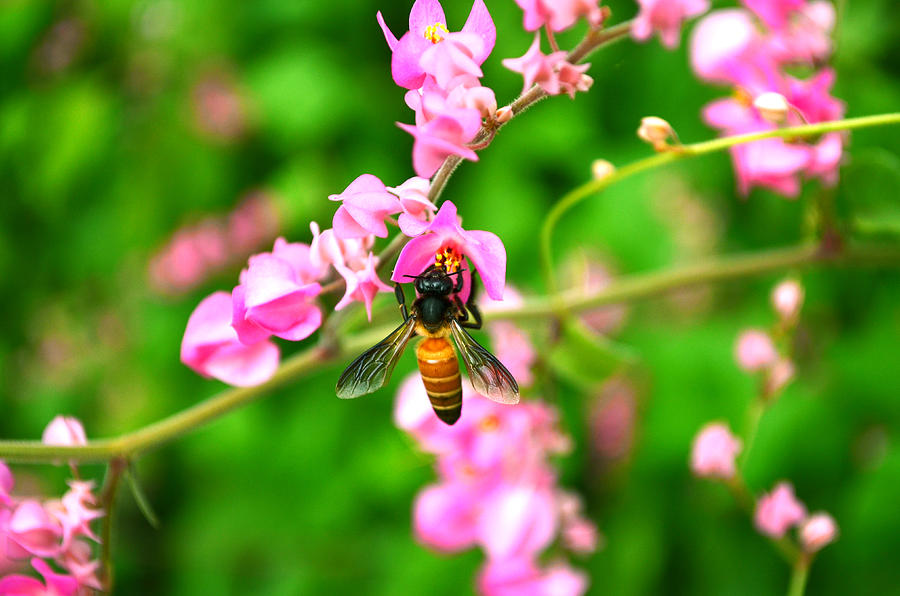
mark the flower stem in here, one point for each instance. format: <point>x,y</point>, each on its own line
<point>627,289</point>
<point>685,151</point>
<point>799,575</point>
<point>117,466</point>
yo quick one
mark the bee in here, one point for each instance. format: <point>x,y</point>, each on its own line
<point>437,314</point>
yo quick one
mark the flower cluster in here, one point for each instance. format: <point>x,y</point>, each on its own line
<point>779,511</point>
<point>665,17</point>
<point>755,350</point>
<point>497,490</point>
<point>752,50</point>
<point>54,531</point>
<point>442,71</point>
<point>195,252</point>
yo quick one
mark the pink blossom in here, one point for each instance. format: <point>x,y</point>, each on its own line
<point>721,43</point>
<point>427,27</point>
<point>211,346</point>
<point>326,249</point>
<point>774,13</point>
<point>445,135</point>
<point>365,205</point>
<point>537,67</point>
<point>78,560</point>
<point>65,431</point>
<point>275,296</point>
<point>518,521</point>
<point>56,584</point>
<point>787,297</point>
<point>445,517</point>
<point>806,39</point>
<point>362,284</point>
<point>79,507</point>
<point>779,511</point>
<point>580,536</point>
<point>665,17</point>
<point>7,481</point>
<point>613,419</point>
<point>484,249</point>
<point>453,61</point>
<point>754,350</point>
<point>254,221</point>
<point>33,529</point>
<point>817,531</point>
<point>559,14</point>
<point>219,109</point>
<point>714,451</point>
<point>522,577</point>
<point>413,195</point>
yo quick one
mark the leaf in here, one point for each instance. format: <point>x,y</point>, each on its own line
<point>586,358</point>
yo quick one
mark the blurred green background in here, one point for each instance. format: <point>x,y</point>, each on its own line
<point>122,121</point>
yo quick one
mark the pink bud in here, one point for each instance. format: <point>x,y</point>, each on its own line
<point>600,169</point>
<point>754,350</point>
<point>714,451</point>
<point>772,106</point>
<point>655,131</point>
<point>778,511</point>
<point>780,375</point>
<point>787,298</point>
<point>504,114</point>
<point>817,531</point>
<point>64,431</point>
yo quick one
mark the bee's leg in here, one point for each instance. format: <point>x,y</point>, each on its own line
<point>401,301</point>
<point>470,307</point>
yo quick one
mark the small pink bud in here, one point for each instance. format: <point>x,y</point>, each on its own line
<point>655,131</point>
<point>778,511</point>
<point>503,114</point>
<point>714,451</point>
<point>754,350</point>
<point>772,107</point>
<point>64,431</point>
<point>600,169</point>
<point>787,298</point>
<point>817,531</point>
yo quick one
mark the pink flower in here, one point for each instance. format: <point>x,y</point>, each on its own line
<point>445,135</point>
<point>818,531</point>
<point>413,195</point>
<point>77,511</point>
<point>559,14</point>
<point>721,45</point>
<point>445,517</point>
<point>787,297</point>
<point>78,560</point>
<point>806,39</point>
<point>774,13</point>
<point>518,521</point>
<point>275,296</point>
<point>211,346</point>
<point>714,451</point>
<point>326,249</point>
<point>22,585</point>
<point>522,577</point>
<point>65,431</point>
<point>754,350</point>
<point>613,419</point>
<point>778,511</point>
<point>537,67</point>
<point>427,27</point>
<point>484,249</point>
<point>362,284</point>
<point>453,61</point>
<point>7,481</point>
<point>33,529</point>
<point>366,204</point>
<point>665,17</point>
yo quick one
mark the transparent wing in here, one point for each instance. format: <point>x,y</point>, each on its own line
<point>489,377</point>
<point>372,369</point>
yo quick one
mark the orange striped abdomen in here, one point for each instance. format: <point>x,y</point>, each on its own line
<point>440,373</point>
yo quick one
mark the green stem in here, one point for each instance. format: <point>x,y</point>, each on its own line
<point>754,414</point>
<point>627,289</point>
<point>799,575</point>
<point>117,466</point>
<point>679,153</point>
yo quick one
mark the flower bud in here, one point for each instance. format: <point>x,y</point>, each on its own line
<point>787,298</point>
<point>655,131</point>
<point>778,511</point>
<point>772,107</point>
<point>600,169</point>
<point>754,350</point>
<point>714,451</point>
<point>780,374</point>
<point>64,431</point>
<point>817,531</point>
<point>503,114</point>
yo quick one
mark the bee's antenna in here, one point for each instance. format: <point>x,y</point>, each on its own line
<point>412,276</point>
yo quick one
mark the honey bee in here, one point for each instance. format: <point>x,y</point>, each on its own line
<point>437,314</point>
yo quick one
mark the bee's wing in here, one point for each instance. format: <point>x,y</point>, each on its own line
<point>372,369</point>
<point>489,377</point>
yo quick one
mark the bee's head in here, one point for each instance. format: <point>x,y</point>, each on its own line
<point>434,282</point>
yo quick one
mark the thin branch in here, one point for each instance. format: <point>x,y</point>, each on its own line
<point>627,289</point>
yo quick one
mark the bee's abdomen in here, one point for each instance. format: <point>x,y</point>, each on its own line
<point>440,373</point>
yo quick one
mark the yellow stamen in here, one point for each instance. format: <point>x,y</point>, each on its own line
<point>489,423</point>
<point>433,33</point>
<point>448,259</point>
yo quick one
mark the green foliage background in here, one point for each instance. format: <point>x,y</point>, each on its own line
<point>301,493</point>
